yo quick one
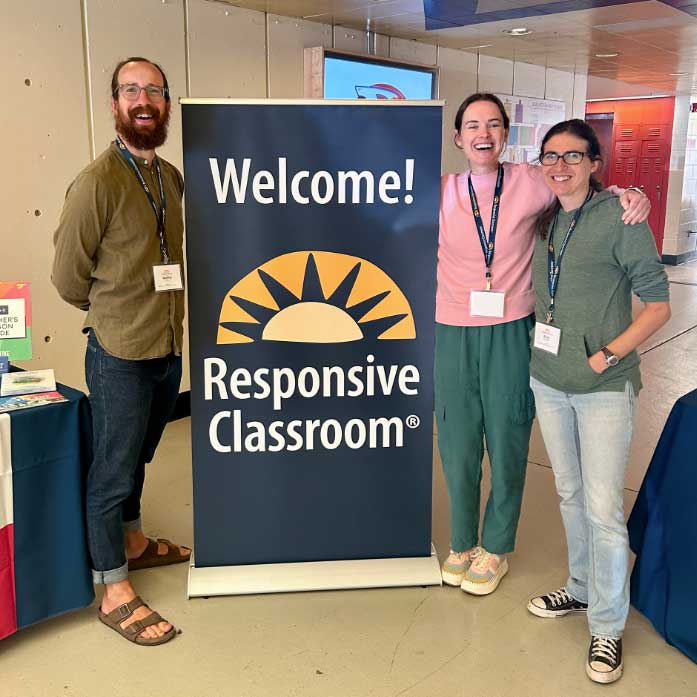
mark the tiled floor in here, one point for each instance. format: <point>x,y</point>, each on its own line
<point>413,642</point>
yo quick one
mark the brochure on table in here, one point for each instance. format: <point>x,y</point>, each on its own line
<point>30,400</point>
<point>27,382</point>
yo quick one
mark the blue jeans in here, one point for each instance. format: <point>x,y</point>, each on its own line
<point>587,437</point>
<point>132,402</point>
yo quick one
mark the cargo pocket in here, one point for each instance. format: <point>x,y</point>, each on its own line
<point>522,406</point>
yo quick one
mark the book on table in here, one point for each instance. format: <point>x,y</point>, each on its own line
<point>27,382</point>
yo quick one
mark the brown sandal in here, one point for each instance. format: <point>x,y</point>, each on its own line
<point>133,631</point>
<point>150,557</point>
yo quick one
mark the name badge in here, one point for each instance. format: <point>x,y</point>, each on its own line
<point>547,337</point>
<point>487,303</point>
<point>167,277</point>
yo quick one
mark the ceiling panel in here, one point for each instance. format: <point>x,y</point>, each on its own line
<point>652,38</point>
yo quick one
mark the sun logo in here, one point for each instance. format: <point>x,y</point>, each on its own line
<point>317,298</point>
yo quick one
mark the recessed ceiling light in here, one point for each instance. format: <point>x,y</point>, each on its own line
<point>469,48</point>
<point>677,74</point>
<point>609,54</point>
<point>518,31</point>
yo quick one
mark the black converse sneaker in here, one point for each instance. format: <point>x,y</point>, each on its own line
<point>555,604</point>
<point>604,659</point>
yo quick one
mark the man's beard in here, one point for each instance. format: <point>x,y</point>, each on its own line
<point>143,137</point>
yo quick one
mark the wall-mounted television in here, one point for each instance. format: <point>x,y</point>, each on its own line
<point>331,74</point>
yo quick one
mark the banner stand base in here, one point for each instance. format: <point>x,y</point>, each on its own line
<point>314,576</point>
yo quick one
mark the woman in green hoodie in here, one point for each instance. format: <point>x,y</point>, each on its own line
<point>585,377</point>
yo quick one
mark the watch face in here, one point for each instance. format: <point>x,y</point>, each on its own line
<point>612,360</point>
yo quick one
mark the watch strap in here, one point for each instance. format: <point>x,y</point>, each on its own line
<point>610,357</point>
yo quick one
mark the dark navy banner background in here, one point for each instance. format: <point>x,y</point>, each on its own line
<point>318,504</point>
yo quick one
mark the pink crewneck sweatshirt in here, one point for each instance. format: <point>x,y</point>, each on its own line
<point>461,266</point>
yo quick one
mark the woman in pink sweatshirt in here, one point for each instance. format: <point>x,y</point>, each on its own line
<point>484,313</point>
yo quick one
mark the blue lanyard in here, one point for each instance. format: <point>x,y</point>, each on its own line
<point>487,244</point>
<point>160,212</point>
<point>554,265</point>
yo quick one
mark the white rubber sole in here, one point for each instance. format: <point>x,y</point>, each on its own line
<point>542,612</point>
<point>451,579</point>
<point>489,586</point>
<point>604,678</point>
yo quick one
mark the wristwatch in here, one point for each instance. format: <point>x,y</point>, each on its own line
<point>637,189</point>
<point>610,358</point>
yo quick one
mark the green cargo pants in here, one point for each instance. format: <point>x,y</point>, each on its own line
<point>482,378</point>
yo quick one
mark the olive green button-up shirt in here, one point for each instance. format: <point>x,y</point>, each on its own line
<point>106,246</point>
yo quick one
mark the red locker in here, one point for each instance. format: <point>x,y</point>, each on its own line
<point>640,153</point>
<point>652,180</point>
<point>627,132</point>
<point>627,148</point>
<point>624,172</point>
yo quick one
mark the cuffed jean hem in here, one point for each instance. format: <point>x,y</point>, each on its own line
<point>132,525</point>
<point>575,589</point>
<point>605,636</point>
<point>110,576</point>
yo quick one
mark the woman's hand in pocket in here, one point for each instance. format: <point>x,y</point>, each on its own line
<point>598,363</point>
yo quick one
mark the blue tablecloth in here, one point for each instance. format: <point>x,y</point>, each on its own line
<point>663,532</point>
<point>50,452</point>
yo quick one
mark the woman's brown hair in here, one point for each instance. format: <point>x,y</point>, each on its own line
<point>481,97</point>
<point>580,129</point>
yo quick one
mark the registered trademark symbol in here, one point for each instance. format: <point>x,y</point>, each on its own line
<point>412,421</point>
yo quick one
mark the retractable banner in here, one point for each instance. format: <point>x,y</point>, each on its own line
<point>311,251</point>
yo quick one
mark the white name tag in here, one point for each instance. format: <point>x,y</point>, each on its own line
<point>487,303</point>
<point>547,337</point>
<point>167,277</point>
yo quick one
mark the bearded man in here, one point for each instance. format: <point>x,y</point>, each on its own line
<point>118,256</point>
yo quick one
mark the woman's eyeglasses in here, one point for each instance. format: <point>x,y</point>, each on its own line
<point>572,157</point>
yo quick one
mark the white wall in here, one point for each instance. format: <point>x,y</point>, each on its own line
<point>687,237</point>
<point>681,206</point>
<point>46,140</point>
<point>458,78</point>
<point>67,50</point>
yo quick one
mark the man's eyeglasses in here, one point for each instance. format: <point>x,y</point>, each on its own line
<point>572,157</point>
<point>131,92</point>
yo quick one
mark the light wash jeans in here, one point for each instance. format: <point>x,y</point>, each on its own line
<point>587,438</point>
